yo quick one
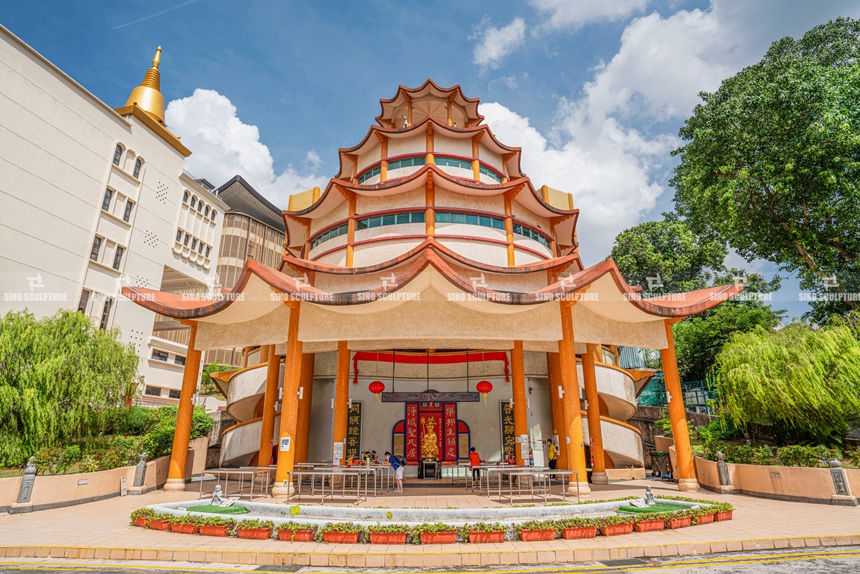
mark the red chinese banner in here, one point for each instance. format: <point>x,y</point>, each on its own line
<point>411,441</point>
<point>450,432</point>
<point>435,359</point>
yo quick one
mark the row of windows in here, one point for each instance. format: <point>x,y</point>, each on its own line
<point>106,308</point>
<point>193,243</point>
<point>418,161</point>
<point>441,217</point>
<point>98,242</point>
<point>198,204</point>
<point>106,205</point>
<point>117,158</point>
<point>163,356</point>
<point>156,392</point>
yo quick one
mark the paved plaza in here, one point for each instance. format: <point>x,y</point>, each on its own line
<point>101,530</point>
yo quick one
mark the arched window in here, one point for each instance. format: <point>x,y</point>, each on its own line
<point>193,202</point>
<point>200,206</point>
<point>214,213</point>
<point>206,213</point>
<point>137,165</point>
<point>185,197</point>
<point>117,154</point>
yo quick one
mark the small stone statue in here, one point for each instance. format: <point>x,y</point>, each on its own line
<point>216,496</point>
<point>405,123</point>
<point>649,496</point>
<point>31,466</point>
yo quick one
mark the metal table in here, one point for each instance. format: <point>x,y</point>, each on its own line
<point>539,479</point>
<point>218,473</point>
<point>322,474</point>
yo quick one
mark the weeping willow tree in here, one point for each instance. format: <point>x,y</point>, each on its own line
<point>801,381</point>
<point>61,380</point>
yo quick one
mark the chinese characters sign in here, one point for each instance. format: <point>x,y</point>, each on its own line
<point>508,433</point>
<point>353,431</point>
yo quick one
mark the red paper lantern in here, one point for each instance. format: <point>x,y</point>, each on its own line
<point>484,387</point>
<point>376,387</point>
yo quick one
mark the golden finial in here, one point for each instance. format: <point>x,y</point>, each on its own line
<point>147,96</point>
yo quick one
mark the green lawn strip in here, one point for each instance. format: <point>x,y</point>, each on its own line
<point>659,507</point>
<point>208,508</point>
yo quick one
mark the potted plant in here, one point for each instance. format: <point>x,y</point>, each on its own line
<point>142,516</point>
<point>534,530</point>
<point>484,532</point>
<point>295,532</point>
<point>648,521</point>
<point>388,533</point>
<point>436,533</point>
<point>340,532</point>
<point>703,514</point>
<point>188,524</point>
<point>723,511</point>
<point>578,527</point>
<point>160,521</point>
<point>216,526</point>
<point>254,528</point>
<point>678,519</point>
<point>616,524</point>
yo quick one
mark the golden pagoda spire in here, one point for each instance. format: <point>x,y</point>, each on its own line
<point>147,96</point>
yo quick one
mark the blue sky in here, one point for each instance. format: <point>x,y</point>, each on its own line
<point>593,90</point>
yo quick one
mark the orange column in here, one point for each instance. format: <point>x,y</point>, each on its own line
<point>269,399</point>
<point>289,407</point>
<point>430,204</point>
<point>341,395</point>
<point>509,230</point>
<point>678,414</point>
<point>598,467</point>
<point>303,427</point>
<point>430,160</point>
<point>573,436</point>
<point>179,454</point>
<point>350,233</point>
<point>383,157</point>
<point>264,353</point>
<point>521,421</point>
<point>558,426</point>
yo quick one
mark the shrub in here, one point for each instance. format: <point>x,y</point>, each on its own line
<point>762,455</point>
<point>854,458</point>
<point>390,528</point>
<point>485,527</point>
<point>215,521</point>
<point>722,428</point>
<point>665,425</point>
<point>577,522</point>
<point>57,460</point>
<point>800,455</point>
<point>295,526</point>
<point>255,523</point>
<point>146,513</point>
<point>617,519</point>
<point>187,519</point>
<point>536,525</point>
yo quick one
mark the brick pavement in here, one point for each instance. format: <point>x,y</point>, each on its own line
<point>101,530</point>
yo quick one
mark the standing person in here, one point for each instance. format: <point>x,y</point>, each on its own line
<point>475,462</point>
<point>552,454</point>
<point>398,470</point>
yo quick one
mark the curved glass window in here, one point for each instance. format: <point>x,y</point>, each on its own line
<point>330,234</point>
<point>491,174</point>
<point>531,234</point>
<point>470,219</point>
<point>453,162</point>
<point>368,174</point>
<point>408,162</point>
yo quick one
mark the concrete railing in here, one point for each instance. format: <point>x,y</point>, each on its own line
<point>833,485</point>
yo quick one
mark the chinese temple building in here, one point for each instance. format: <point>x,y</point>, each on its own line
<point>431,299</point>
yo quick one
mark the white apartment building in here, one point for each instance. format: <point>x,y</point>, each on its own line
<point>93,198</point>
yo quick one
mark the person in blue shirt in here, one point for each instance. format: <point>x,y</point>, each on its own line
<point>398,470</point>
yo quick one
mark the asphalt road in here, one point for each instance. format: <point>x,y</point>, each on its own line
<point>842,560</point>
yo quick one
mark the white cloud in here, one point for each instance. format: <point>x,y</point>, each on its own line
<point>493,44</point>
<point>223,146</point>
<point>574,14</point>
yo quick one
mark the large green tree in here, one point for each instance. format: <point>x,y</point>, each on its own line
<point>61,379</point>
<point>802,381</point>
<point>771,162</point>
<point>665,256</point>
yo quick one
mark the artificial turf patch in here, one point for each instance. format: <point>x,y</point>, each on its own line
<point>208,508</point>
<point>659,507</point>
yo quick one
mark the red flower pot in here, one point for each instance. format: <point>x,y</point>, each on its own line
<point>705,519</point>
<point>616,529</point>
<point>438,537</point>
<point>486,537</point>
<point>720,516</point>
<point>140,522</point>
<point>535,535</point>
<point>184,528</point>
<point>648,525</point>
<point>296,536</point>
<point>674,523</point>
<point>579,532</point>
<point>159,524</point>
<point>388,538</point>
<point>341,537</point>
<point>255,533</point>
<point>222,531</point>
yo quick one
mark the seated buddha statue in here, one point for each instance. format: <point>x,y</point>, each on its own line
<point>429,445</point>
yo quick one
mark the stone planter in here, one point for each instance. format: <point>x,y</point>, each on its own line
<point>255,533</point>
<point>185,528</point>
<point>536,535</point>
<point>341,537</point>
<point>579,532</point>
<point>388,538</point>
<point>720,516</point>
<point>209,530</point>
<point>616,529</point>
<point>438,537</point>
<point>674,523</point>
<point>649,525</point>
<point>296,535</point>
<point>486,537</point>
<point>159,525</point>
